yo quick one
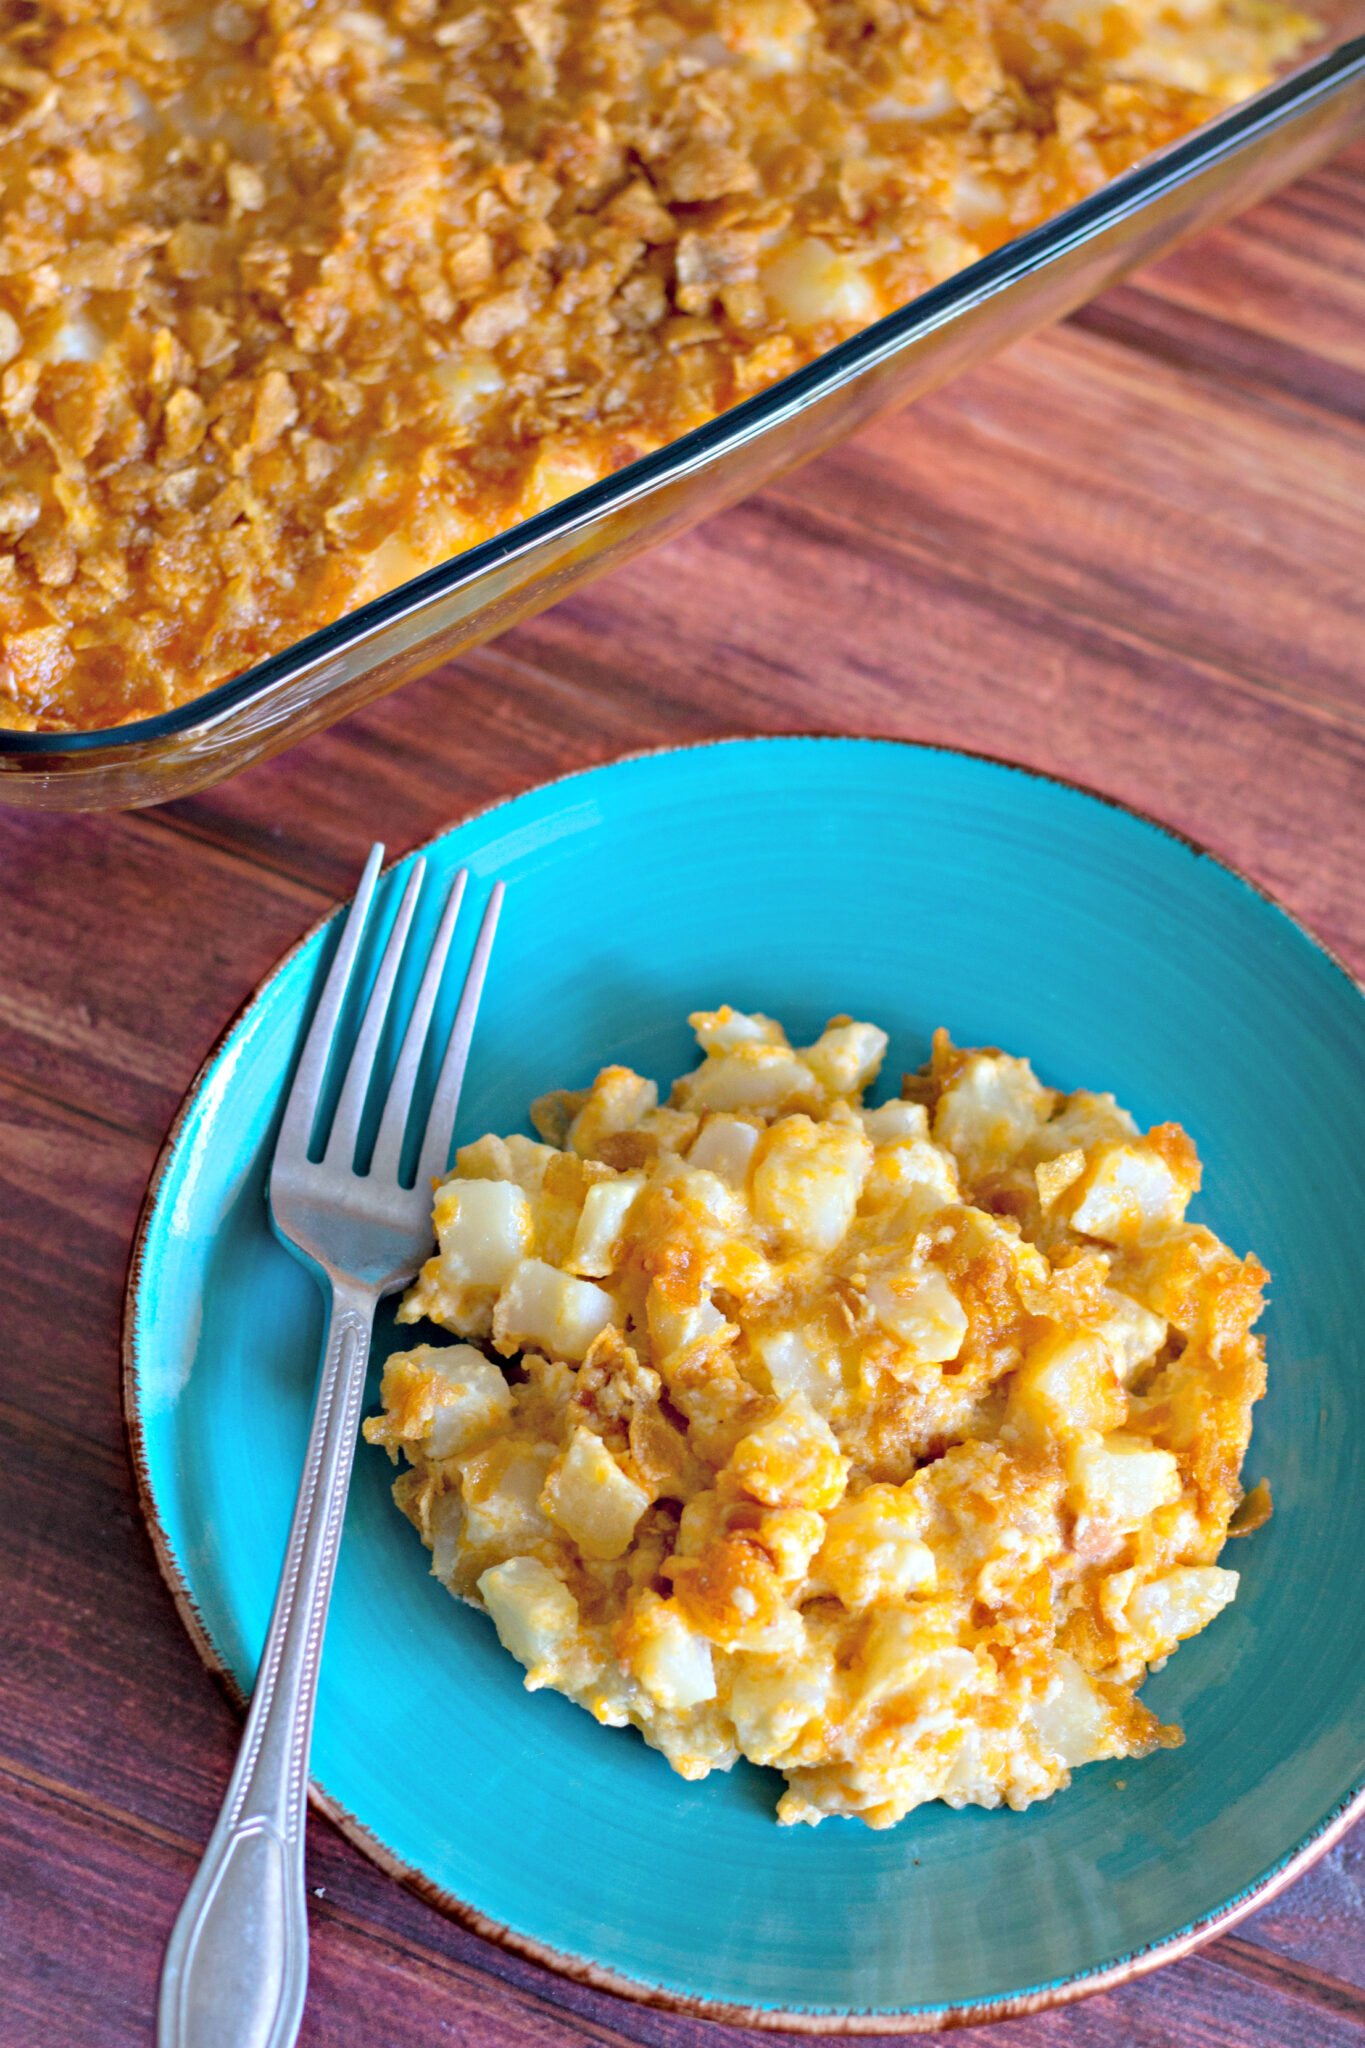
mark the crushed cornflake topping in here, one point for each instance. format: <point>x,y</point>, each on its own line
<point>857,1442</point>
<point>299,298</point>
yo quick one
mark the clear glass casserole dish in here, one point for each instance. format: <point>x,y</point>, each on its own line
<point>1229,164</point>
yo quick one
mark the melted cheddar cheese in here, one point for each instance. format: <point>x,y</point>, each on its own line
<point>890,1447</point>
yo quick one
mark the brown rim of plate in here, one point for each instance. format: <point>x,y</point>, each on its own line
<point>580,1971</point>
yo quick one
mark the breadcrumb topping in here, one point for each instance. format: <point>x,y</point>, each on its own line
<point>301,297</point>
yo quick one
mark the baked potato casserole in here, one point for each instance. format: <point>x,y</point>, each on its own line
<point>891,1447</point>
<point>299,298</point>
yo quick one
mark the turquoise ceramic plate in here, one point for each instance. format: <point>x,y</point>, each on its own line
<point>804,877</point>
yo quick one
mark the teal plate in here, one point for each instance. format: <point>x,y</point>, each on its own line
<point>803,877</point>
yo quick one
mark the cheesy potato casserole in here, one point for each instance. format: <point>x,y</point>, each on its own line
<point>301,297</point>
<point>889,1447</point>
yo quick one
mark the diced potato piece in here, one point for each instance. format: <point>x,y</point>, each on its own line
<point>1129,1190</point>
<point>791,1460</point>
<point>918,1307</point>
<point>1132,1332</point>
<point>518,1159</point>
<point>535,1615</point>
<point>483,1228</point>
<point>1082,1120</point>
<point>1180,1603</point>
<point>473,1399</point>
<point>923,97</point>
<point>813,285</point>
<point>806,1181</point>
<point>1121,1480</point>
<point>791,1537</point>
<point>1114,1593</point>
<point>501,1488</point>
<point>466,381</point>
<point>1073,1722</point>
<point>75,340</point>
<point>976,201</point>
<point>795,1364</point>
<point>774,1700</point>
<point>725,1146</point>
<point>914,1177</point>
<point>671,1130</point>
<point>396,560</point>
<point>989,1111</point>
<point>873,1549</point>
<point>757,1077</point>
<point>712,1195</point>
<point>672,1662</point>
<point>1066,1385</point>
<point>723,1029</point>
<point>847,1057</point>
<point>1055,1176</point>
<point>770,35</point>
<point>672,1329</point>
<point>445,1531</point>
<point>551,1310</point>
<point>703,1521</point>
<point>601,1225</point>
<point>1189,1277</point>
<point>616,1102</point>
<point>737,1266</point>
<point>973,1778</point>
<point>946,249</point>
<point>921,1163</point>
<point>895,1123</point>
<point>558,471</point>
<point>591,1499</point>
<point>910,1650</point>
<point>610,1699</point>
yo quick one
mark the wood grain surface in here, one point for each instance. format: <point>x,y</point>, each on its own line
<point>1130,551</point>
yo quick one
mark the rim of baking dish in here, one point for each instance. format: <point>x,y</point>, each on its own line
<point>1018,258</point>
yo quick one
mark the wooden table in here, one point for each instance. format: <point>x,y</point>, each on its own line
<point>1131,551</point>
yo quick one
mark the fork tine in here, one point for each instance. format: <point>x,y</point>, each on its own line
<point>354,1089</point>
<point>446,1097</point>
<point>297,1124</point>
<point>388,1146</point>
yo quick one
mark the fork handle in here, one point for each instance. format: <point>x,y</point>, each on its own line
<point>236,1968</point>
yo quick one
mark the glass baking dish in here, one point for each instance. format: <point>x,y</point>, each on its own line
<point>1231,163</point>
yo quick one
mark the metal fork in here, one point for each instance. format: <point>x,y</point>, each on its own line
<point>236,1968</point>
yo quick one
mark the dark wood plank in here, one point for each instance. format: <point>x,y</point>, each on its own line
<point>95,1887</point>
<point>1321,1919</point>
<point>1294,268</point>
<point>1212,347</point>
<point>69,1197</point>
<point>125,955</point>
<point>1218,526</point>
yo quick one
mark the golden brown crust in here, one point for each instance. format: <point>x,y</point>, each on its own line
<point>299,297</point>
